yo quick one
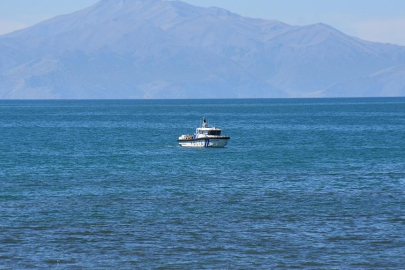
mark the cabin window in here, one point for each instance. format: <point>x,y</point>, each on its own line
<point>214,132</point>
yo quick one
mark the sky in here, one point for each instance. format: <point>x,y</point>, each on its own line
<point>373,20</point>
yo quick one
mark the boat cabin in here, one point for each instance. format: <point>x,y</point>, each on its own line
<point>208,131</point>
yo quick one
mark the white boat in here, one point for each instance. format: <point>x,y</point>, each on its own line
<point>204,137</point>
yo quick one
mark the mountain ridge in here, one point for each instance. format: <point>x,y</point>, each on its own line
<point>170,49</point>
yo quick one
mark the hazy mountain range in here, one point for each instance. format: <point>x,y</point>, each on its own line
<point>169,49</point>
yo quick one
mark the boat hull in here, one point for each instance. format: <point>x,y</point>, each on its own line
<point>205,142</point>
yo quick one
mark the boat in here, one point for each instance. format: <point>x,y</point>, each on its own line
<point>204,137</point>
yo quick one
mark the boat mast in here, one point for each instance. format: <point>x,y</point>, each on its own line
<point>204,123</point>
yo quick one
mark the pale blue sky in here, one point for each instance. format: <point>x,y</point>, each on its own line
<point>375,20</point>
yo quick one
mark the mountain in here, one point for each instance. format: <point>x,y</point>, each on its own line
<point>388,82</point>
<point>169,49</point>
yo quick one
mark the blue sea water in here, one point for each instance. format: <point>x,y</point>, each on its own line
<point>303,183</point>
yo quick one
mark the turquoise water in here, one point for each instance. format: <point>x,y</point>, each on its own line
<point>307,184</point>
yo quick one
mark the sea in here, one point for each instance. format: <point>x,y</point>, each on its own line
<point>103,184</point>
